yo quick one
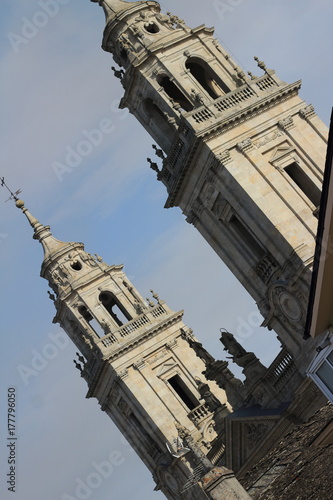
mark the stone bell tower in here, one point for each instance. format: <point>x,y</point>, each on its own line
<point>241,155</point>
<point>136,359</point>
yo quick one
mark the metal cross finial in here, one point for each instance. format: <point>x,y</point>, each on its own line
<point>13,196</point>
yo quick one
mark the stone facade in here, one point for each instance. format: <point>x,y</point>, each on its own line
<point>242,156</point>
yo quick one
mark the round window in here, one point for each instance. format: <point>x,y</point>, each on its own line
<point>76,265</point>
<point>152,28</point>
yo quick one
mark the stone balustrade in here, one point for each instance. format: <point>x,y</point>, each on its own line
<point>199,413</point>
<point>135,324</point>
<point>281,370</point>
<point>232,99</point>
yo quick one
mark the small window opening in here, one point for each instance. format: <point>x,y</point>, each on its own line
<point>116,311</point>
<point>76,265</point>
<point>152,28</point>
<point>207,78</point>
<point>146,437</point>
<point>247,238</point>
<point>161,128</point>
<point>173,91</point>
<point>183,392</point>
<point>92,322</point>
<point>304,183</point>
<point>123,55</point>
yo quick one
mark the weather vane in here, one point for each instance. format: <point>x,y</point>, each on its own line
<point>13,196</point>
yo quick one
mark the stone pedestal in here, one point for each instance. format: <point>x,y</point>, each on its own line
<point>220,483</point>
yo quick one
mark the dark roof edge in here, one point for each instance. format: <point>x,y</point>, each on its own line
<point>320,230</point>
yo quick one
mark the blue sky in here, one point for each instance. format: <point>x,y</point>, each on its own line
<point>54,89</point>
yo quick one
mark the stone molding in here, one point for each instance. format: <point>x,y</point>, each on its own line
<point>245,146</point>
<point>286,123</point>
<point>307,112</point>
<point>224,157</point>
<point>123,374</point>
<point>140,364</point>
<point>173,344</point>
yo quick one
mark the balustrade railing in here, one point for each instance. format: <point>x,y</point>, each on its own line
<point>199,413</point>
<point>281,370</point>
<point>216,453</point>
<point>232,99</point>
<point>265,82</point>
<point>133,325</point>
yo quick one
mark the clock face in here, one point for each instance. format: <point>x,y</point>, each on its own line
<point>290,306</point>
<point>170,481</point>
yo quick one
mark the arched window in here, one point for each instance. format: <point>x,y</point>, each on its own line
<point>92,322</point>
<point>114,308</point>
<point>162,130</point>
<point>175,93</point>
<point>207,78</point>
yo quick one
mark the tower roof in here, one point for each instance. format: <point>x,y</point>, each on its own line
<point>53,248</point>
<point>114,7</point>
<point>42,233</point>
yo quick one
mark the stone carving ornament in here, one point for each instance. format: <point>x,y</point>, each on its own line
<point>289,304</point>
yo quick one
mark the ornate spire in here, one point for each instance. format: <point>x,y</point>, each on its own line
<point>41,233</point>
<point>114,7</point>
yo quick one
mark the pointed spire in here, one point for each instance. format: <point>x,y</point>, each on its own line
<point>41,233</point>
<point>114,7</point>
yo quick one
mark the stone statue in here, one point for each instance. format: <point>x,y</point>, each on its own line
<point>118,73</point>
<point>231,345</point>
<point>226,380</point>
<point>252,368</point>
<point>201,351</point>
<point>80,358</point>
<point>206,394</point>
<point>77,365</point>
<point>183,433</point>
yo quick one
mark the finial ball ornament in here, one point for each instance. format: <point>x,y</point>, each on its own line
<point>19,204</point>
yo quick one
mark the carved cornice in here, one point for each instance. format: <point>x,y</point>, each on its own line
<point>122,375</point>
<point>224,157</point>
<point>192,218</point>
<point>140,364</point>
<point>195,212</point>
<point>245,146</point>
<point>173,344</point>
<point>286,123</point>
<point>307,112</point>
<point>220,161</point>
<point>198,207</point>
